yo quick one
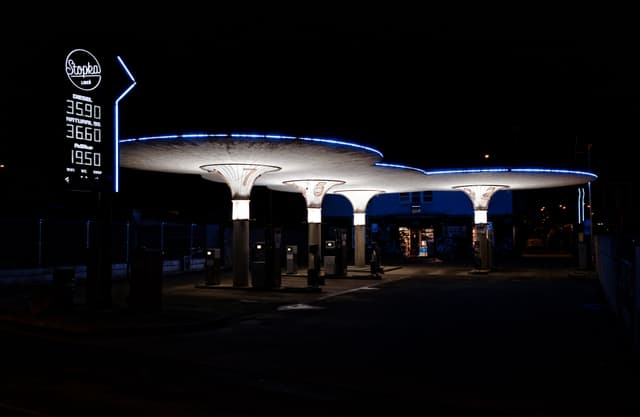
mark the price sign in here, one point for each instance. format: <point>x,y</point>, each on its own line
<point>88,133</point>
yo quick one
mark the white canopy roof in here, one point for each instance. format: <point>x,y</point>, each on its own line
<point>302,158</point>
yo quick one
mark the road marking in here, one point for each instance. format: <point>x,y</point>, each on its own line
<point>343,292</point>
<point>299,307</point>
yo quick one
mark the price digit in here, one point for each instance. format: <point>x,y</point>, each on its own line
<point>88,110</point>
<point>79,134</point>
<point>78,108</point>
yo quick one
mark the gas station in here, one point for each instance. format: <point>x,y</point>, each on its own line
<point>316,167</point>
<point>313,167</point>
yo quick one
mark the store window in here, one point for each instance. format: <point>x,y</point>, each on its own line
<point>416,242</point>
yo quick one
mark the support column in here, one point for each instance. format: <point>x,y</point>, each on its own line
<point>240,253</point>
<point>240,179</point>
<point>359,200</point>
<point>99,270</point>
<point>359,253</point>
<point>314,229</point>
<point>480,196</point>
<point>313,192</point>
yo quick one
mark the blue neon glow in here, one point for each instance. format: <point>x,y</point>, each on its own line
<point>517,170</point>
<point>251,136</point>
<point>279,137</point>
<point>342,143</point>
<point>116,115</point>
<point>126,69</point>
<point>248,135</point>
<point>158,137</point>
<point>554,171</point>
<point>195,135</point>
<point>466,171</point>
<point>580,205</point>
<point>261,136</point>
<point>386,165</point>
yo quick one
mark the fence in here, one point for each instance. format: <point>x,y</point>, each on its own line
<point>30,245</point>
<point>618,263</point>
<point>47,243</point>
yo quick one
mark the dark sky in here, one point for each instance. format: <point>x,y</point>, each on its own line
<point>427,92</point>
<point>421,96</point>
<point>429,95</point>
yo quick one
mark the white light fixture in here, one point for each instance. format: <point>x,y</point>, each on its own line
<point>314,215</point>
<point>359,219</point>
<point>240,209</point>
<point>480,216</point>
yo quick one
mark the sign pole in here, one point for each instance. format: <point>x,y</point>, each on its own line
<point>91,154</point>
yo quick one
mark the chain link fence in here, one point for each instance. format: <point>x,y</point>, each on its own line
<point>49,243</point>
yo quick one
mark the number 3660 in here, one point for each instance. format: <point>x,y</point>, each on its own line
<point>81,132</point>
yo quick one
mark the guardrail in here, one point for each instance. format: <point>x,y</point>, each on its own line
<point>118,270</point>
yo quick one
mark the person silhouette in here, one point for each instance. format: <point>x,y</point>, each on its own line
<point>374,261</point>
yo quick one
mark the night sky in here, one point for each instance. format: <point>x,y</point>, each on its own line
<point>428,96</point>
<point>426,92</point>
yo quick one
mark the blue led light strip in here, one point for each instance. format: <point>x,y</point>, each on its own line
<point>554,171</point>
<point>116,163</point>
<point>515,170</point>
<point>466,171</point>
<point>386,165</point>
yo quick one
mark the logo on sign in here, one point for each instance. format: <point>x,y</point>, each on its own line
<point>83,69</point>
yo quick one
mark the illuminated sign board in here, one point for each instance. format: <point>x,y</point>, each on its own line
<point>88,123</point>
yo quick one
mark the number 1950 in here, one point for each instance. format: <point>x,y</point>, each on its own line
<point>80,157</point>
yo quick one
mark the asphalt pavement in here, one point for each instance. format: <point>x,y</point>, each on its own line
<point>530,337</point>
<point>182,301</point>
<point>186,302</point>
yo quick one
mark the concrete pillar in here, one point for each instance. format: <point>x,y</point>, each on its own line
<point>240,260</point>
<point>359,257</point>
<point>359,200</point>
<point>480,196</point>
<point>314,238</point>
<point>240,179</point>
<point>314,191</point>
